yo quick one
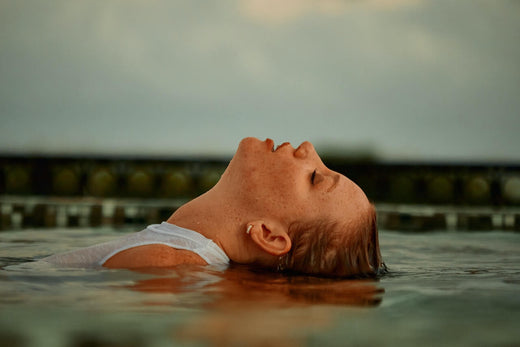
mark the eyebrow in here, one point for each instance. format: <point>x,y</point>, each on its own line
<point>334,184</point>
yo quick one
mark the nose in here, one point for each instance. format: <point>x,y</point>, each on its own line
<point>305,150</point>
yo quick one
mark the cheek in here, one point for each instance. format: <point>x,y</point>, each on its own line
<point>282,196</point>
<point>318,207</point>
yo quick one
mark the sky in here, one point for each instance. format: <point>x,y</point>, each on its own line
<point>399,79</point>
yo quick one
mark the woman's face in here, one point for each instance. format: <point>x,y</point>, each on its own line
<point>291,184</point>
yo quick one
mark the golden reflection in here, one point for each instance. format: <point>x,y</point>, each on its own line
<point>241,285</point>
<point>256,327</point>
<point>244,306</point>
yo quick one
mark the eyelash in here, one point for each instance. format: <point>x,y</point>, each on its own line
<point>313,176</point>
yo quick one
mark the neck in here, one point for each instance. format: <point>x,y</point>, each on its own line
<point>215,216</point>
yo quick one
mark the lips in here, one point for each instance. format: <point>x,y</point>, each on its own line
<point>282,145</point>
<point>272,146</point>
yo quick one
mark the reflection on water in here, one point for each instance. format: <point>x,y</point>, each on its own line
<point>239,286</point>
<point>440,285</point>
<point>252,308</point>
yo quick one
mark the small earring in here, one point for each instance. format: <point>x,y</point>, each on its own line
<point>249,227</point>
<point>282,263</point>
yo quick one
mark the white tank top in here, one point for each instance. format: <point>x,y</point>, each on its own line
<point>164,234</point>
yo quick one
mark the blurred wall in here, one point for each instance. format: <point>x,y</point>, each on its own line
<point>400,80</point>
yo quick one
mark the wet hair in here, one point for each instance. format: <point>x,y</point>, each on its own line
<point>331,249</point>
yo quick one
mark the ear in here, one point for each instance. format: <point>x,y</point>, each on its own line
<point>272,237</point>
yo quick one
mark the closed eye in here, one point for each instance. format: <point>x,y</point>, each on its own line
<point>313,176</point>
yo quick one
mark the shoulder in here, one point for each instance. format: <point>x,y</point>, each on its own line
<point>154,255</point>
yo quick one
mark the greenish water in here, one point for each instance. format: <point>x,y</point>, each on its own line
<point>443,288</point>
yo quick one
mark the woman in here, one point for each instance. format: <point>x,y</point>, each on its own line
<point>279,208</point>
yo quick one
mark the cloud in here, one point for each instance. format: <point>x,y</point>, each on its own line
<point>281,12</point>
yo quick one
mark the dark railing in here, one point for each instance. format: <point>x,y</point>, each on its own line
<point>65,191</point>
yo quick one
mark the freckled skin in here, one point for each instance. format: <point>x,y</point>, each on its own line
<point>279,183</point>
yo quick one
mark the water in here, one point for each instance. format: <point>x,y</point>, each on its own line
<point>443,289</point>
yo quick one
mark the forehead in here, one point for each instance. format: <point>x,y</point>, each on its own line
<point>346,202</point>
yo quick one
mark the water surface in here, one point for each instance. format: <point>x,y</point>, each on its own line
<point>443,289</point>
